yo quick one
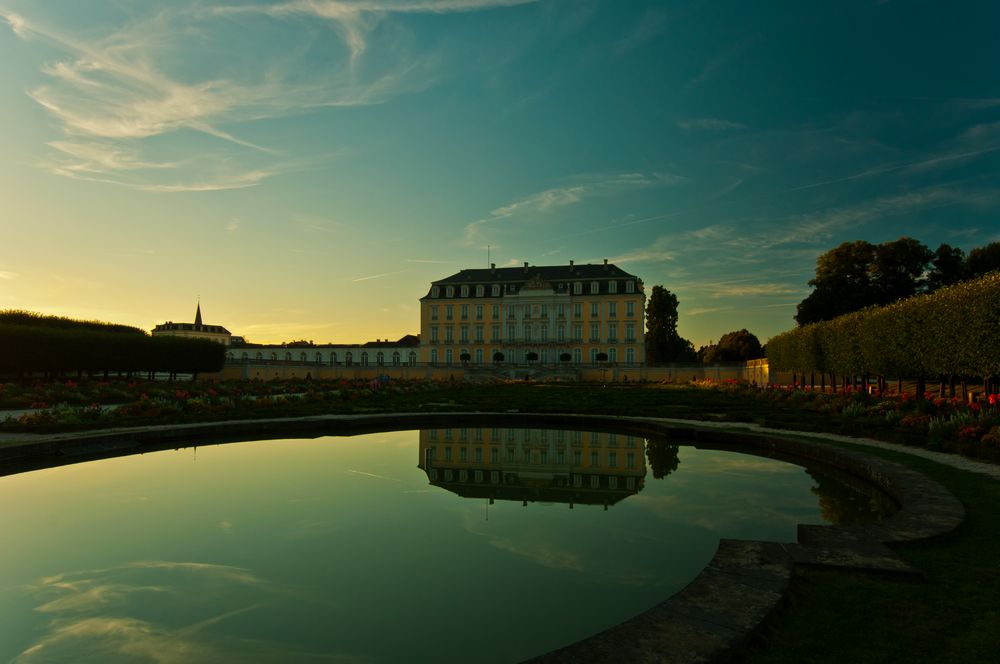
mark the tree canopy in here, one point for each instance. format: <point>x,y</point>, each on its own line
<point>738,346</point>
<point>663,344</point>
<point>859,274</point>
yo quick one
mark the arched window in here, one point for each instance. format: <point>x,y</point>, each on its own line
<point>260,356</point>
<point>349,358</point>
<point>229,356</point>
<point>412,358</point>
<point>288,357</point>
<point>333,359</point>
<point>395,358</point>
<point>380,358</point>
<point>274,356</point>
<point>479,291</point>
<point>245,356</point>
<point>630,355</point>
<point>302,357</point>
<point>496,290</point>
<point>364,358</point>
<point>319,357</point>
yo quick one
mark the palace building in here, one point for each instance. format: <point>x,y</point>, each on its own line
<point>550,314</point>
<point>196,330</point>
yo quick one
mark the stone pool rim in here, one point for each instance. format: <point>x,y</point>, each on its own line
<point>710,619</point>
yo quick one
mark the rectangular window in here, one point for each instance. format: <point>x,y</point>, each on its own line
<point>577,310</point>
<point>527,333</point>
<point>612,286</point>
<point>612,459</point>
<point>449,334</point>
<point>496,290</point>
<point>494,455</point>
<point>629,286</point>
<point>465,310</point>
<point>465,333</point>
<point>462,454</point>
<point>511,332</point>
<point>629,332</point>
<point>612,309</point>
<point>595,309</point>
<point>479,455</point>
<point>479,334</point>
<point>630,308</point>
<point>510,455</point>
<point>449,312</point>
<point>561,310</point>
<point>593,458</point>
<point>479,291</point>
<point>434,312</point>
<point>465,291</point>
<point>545,333</point>
<point>612,332</point>
<point>561,333</point>
<point>595,288</point>
<point>577,457</point>
<point>578,332</point>
<point>450,291</point>
<point>495,332</point>
<point>447,454</point>
<point>434,334</point>
<point>577,288</point>
<point>595,331</point>
<point>630,459</point>
<point>544,311</point>
<point>560,456</point>
<point>543,456</point>
<point>495,310</point>
<point>479,311</point>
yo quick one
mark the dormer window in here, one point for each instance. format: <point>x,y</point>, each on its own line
<point>577,288</point>
<point>496,290</point>
<point>629,286</point>
<point>435,291</point>
<point>612,286</point>
<point>465,291</point>
<point>450,291</point>
<point>595,287</point>
<point>479,291</point>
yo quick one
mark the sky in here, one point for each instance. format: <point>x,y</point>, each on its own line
<point>307,167</point>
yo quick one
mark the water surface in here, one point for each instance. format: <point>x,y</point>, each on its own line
<point>377,548</point>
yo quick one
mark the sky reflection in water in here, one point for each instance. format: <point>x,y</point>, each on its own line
<point>342,550</point>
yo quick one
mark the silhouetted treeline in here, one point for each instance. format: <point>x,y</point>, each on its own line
<point>18,317</point>
<point>30,343</point>
<point>860,274</point>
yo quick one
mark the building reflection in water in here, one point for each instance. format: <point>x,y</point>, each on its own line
<point>534,465</point>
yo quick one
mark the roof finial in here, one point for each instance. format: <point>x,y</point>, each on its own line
<point>197,314</point>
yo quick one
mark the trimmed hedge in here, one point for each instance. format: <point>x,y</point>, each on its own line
<point>954,331</point>
<point>28,348</point>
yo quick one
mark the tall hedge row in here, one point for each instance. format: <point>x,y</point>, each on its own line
<point>954,331</point>
<point>55,349</point>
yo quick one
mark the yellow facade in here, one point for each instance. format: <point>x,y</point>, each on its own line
<point>535,314</point>
<point>534,464</point>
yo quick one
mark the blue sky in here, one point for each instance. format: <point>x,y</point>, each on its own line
<point>307,167</point>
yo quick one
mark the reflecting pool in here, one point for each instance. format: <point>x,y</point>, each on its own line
<point>450,545</point>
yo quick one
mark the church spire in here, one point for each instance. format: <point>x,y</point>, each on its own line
<point>197,314</point>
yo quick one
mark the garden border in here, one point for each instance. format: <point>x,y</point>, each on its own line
<point>711,618</point>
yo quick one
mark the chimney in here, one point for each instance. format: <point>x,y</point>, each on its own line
<point>525,266</point>
<point>571,263</point>
<point>605,263</point>
<point>493,268</point>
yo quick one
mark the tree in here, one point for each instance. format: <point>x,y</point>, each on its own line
<point>662,457</point>
<point>984,259</point>
<point>565,357</point>
<point>663,344</point>
<point>531,357</point>
<point>738,346</point>
<point>898,269</point>
<point>859,274</point>
<point>948,266</point>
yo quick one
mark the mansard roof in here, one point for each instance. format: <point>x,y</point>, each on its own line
<point>571,272</point>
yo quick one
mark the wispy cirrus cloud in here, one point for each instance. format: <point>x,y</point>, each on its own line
<point>582,188</point>
<point>115,91</point>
